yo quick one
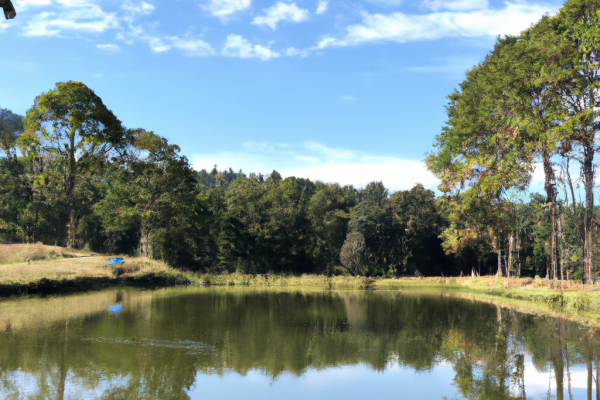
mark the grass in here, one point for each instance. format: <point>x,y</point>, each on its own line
<point>274,280</point>
<point>575,301</point>
<point>18,253</point>
<point>35,269</point>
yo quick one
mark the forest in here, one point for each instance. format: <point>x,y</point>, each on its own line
<point>72,175</point>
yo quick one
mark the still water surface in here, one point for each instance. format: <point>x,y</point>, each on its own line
<point>231,343</point>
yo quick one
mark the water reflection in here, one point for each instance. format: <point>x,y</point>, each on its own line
<point>209,342</point>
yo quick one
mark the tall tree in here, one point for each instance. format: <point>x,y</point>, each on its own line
<point>580,25</point>
<point>155,188</point>
<point>71,124</point>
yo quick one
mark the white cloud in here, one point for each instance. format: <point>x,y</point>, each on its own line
<point>82,18</point>
<point>319,162</point>
<point>347,98</point>
<point>24,4</point>
<point>225,9</point>
<point>281,12</point>
<point>139,8</point>
<point>322,6</point>
<point>456,5</point>
<point>400,27</point>
<point>237,46</point>
<point>292,51</point>
<point>193,47</point>
<point>387,2</point>
<point>109,48</point>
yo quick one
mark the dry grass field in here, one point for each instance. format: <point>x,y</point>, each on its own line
<point>15,253</point>
<point>43,269</point>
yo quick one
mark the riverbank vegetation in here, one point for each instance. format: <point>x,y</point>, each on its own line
<point>73,176</point>
<point>47,271</point>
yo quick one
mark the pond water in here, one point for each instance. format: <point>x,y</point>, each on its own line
<point>231,343</point>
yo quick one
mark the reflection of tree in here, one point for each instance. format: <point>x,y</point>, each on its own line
<point>155,349</point>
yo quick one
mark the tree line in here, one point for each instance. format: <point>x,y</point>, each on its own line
<point>73,175</point>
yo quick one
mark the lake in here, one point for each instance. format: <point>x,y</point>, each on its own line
<point>244,343</point>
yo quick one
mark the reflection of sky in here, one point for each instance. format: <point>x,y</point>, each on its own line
<point>536,382</point>
<point>115,309</point>
<point>348,382</point>
<point>75,388</point>
<point>360,381</point>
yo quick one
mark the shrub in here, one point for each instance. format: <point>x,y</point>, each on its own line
<point>124,268</point>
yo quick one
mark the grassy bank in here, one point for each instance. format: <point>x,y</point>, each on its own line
<point>574,300</point>
<point>37,269</point>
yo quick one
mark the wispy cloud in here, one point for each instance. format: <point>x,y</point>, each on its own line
<point>25,4</point>
<point>109,48</point>
<point>226,9</point>
<point>322,6</point>
<point>138,8</point>
<point>281,12</point>
<point>292,51</point>
<point>319,162</point>
<point>84,17</point>
<point>455,5</point>
<point>192,47</point>
<point>237,46</point>
<point>401,27</point>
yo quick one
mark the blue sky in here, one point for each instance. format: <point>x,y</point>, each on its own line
<point>347,91</point>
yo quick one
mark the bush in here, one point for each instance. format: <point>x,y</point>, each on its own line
<point>352,254</point>
<point>124,268</point>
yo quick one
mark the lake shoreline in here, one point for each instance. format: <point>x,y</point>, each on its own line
<point>89,273</point>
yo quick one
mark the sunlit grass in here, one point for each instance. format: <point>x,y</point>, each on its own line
<point>47,268</point>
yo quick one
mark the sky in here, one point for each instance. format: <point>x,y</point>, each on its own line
<point>338,91</point>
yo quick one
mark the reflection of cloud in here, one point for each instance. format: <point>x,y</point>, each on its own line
<point>319,162</point>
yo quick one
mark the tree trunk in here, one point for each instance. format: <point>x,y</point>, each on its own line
<point>72,224</point>
<point>518,257</point>
<point>144,241</point>
<point>499,273</point>
<point>511,249</point>
<point>549,187</point>
<point>588,178</point>
<point>70,187</point>
<point>561,224</point>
